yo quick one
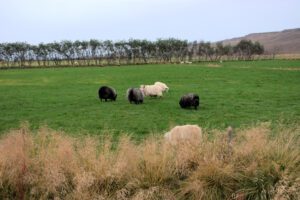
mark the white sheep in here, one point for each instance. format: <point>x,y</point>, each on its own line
<point>164,87</point>
<point>151,90</point>
<point>190,133</point>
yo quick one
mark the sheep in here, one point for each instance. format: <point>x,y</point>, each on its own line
<point>189,100</point>
<point>186,62</point>
<point>191,133</point>
<point>151,90</point>
<point>135,95</point>
<point>106,92</point>
<point>164,87</point>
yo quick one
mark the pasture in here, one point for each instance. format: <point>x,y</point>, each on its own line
<point>240,93</point>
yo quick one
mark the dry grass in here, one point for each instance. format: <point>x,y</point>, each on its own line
<point>255,164</point>
<point>287,56</point>
<point>213,65</point>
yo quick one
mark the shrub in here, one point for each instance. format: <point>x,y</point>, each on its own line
<point>255,164</point>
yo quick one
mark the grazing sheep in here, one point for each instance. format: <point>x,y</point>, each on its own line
<point>191,133</point>
<point>135,95</point>
<point>106,92</point>
<point>151,90</point>
<point>163,86</point>
<point>189,100</point>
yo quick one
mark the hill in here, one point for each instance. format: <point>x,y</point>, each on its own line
<point>282,42</point>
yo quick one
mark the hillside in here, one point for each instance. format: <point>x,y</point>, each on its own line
<point>283,42</point>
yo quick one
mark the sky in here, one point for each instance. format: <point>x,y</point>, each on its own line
<point>43,21</point>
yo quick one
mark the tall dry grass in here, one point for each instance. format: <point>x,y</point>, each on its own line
<point>255,164</point>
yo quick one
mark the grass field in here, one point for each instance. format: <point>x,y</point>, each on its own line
<point>231,93</point>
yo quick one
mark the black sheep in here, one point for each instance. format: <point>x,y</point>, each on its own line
<point>135,95</point>
<point>106,92</point>
<point>189,100</point>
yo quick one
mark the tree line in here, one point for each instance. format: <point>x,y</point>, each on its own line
<point>133,51</point>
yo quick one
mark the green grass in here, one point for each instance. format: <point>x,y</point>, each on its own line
<point>231,93</point>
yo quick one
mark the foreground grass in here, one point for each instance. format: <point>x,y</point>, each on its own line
<point>231,93</point>
<point>255,164</point>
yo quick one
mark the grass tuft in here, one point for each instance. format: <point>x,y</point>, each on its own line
<point>255,164</point>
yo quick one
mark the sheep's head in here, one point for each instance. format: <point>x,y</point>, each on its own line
<point>196,97</point>
<point>167,136</point>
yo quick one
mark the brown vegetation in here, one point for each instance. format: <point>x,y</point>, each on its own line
<point>256,163</point>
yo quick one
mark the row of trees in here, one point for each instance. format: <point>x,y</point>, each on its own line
<point>95,52</point>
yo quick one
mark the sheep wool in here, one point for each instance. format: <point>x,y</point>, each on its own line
<point>190,133</point>
<point>106,92</point>
<point>135,95</point>
<point>164,87</point>
<point>189,100</point>
<point>151,90</point>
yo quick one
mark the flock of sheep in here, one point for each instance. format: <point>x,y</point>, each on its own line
<point>136,95</point>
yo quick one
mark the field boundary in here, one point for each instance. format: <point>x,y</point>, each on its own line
<point>132,64</point>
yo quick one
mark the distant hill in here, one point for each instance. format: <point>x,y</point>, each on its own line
<point>283,42</point>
